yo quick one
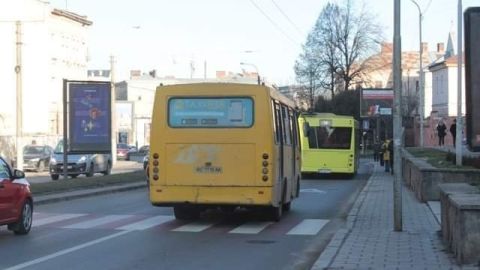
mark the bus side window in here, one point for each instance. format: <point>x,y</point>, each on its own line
<point>278,122</point>
<point>286,127</point>
<point>293,128</point>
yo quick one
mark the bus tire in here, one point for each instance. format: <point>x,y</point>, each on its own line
<point>297,191</point>
<point>275,213</point>
<point>183,212</point>
<point>286,206</point>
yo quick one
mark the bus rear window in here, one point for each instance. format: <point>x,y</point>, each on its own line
<point>330,137</point>
<point>210,112</point>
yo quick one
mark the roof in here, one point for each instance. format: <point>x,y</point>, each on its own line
<point>72,16</point>
<point>445,63</point>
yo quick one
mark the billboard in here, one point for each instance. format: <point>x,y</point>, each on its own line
<point>376,102</point>
<point>90,117</point>
<point>472,82</point>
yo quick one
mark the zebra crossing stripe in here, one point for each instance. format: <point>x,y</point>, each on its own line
<point>146,223</point>
<point>308,227</point>
<point>56,218</point>
<point>97,222</point>
<point>194,227</point>
<point>251,227</point>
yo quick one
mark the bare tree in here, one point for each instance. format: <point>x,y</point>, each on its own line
<point>358,37</point>
<point>337,46</point>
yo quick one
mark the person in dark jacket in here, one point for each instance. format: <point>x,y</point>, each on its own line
<point>441,132</point>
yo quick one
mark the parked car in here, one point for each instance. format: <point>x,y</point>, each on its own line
<point>16,202</point>
<point>37,157</point>
<point>77,164</point>
<point>122,150</point>
<point>138,153</point>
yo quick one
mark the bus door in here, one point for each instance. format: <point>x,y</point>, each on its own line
<point>279,140</point>
<point>288,151</point>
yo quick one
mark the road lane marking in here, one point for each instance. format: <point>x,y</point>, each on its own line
<point>194,227</point>
<point>146,223</point>
<point>313,190</point>
<point>97,222</point>
<point>56,218</point>
<point>308,227</point>
<point>65,251</point>
<point>251,227</point>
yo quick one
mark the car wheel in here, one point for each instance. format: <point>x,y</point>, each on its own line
<point>90,171</point>
<point>41,166</point>
<point>24,224</point>
<point>74,175</point>
<point>108,170</point>
<point>54,176</point>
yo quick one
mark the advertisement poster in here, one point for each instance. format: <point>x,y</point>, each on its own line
<point>376,102</point>
<point>90,117</point>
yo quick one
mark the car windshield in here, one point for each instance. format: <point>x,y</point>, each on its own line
<point>32,150</point>
<point>59,147</point>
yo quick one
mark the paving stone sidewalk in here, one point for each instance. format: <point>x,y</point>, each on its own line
<point>369,241</point>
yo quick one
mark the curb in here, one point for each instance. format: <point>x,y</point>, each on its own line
<point>66,196</point>
<point>329,253</point>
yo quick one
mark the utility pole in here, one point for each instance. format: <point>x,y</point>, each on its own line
<point>113,110</point>
<point>459,132</point>
<point>421,75</point>
<point>397,125</point>
<point>19,118</point>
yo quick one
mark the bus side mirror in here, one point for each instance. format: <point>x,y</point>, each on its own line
<point>306,129</point>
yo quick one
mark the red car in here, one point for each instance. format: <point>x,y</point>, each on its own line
<point>16,202</point>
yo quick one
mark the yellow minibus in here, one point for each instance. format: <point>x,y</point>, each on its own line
<point>223,145</point>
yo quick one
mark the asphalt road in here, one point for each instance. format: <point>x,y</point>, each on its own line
<point>123,231</point>
<point>122,166</point>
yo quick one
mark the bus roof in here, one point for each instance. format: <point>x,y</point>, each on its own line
<point>275,94</point>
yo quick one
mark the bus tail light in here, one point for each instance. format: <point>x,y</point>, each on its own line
<point>155,169</point>
<point>265,167</point>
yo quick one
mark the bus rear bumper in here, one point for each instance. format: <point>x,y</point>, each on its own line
<point>238,196</point>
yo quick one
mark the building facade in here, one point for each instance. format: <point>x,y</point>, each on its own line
<point>53,45</point>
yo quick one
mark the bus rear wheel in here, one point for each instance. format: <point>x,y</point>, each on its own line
<point>275,212</point>
<point>183,212</point>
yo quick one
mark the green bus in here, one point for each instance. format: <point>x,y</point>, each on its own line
<point>329,142</point>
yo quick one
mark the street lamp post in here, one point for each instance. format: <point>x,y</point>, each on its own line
<point>421,81</point>
<point>459,137</point>
<point>256,69</point>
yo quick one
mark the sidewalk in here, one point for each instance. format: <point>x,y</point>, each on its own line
<point>369,241</point>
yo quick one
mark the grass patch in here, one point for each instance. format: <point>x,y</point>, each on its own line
<point>436,158</point>
<point>71,184</point>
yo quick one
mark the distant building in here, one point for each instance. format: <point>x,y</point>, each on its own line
<point>379,74</point>
<point>54,46</point>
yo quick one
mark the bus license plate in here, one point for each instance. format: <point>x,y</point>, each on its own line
<point>324,171</point>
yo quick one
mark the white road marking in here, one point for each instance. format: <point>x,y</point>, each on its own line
<point>146,223</point>
<point>312,190</point>
<point>97,222</point>
<point>56,218</point>
<point>194,227</point>
<point>251,227</point>
<point>308,227</point>
<point>65,251</point>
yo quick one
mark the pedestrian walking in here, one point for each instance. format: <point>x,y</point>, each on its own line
<point>453,131</point>
<point>441,132</point>
<point>386,155</point>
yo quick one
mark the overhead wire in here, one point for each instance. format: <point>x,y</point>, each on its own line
<point>288,18</point>
<point>274,23</point>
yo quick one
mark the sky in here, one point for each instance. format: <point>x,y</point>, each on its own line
<point>171,36</point>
